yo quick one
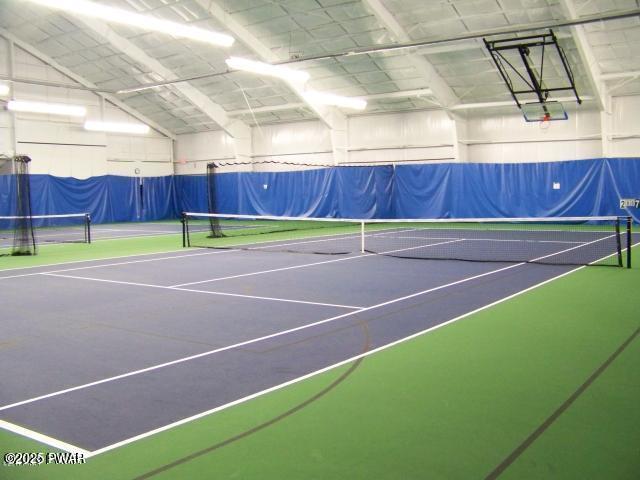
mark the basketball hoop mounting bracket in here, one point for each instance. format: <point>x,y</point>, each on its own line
<point>521,63</point>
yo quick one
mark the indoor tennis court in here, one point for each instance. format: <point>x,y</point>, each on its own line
<point>315,239</point>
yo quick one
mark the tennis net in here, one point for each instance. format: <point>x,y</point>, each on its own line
<point>558,241</point>
<point>68,228</point>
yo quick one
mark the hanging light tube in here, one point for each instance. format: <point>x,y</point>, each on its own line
<point>261,68</point>
<point>116,127</point>
<point>47,108</point>
<point>324,98</point>
<point>4,89</point>
<point>144,22</point>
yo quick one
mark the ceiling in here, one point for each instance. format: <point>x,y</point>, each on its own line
<point>113,57</point>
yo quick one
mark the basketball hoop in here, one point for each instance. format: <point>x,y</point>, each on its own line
<point>545,121</point>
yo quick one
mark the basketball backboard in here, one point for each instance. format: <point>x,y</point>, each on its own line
<point>543,111</point>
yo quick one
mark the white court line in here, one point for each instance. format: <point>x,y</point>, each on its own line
<point>172,221</point>
<point>74,269</point>
<point>305,265</point>
<point>93,260</point>
<point>494,240</point>
<point>573,248</point>
<point>98,229</point>
<point>225,249</point>
<point>254,340</point>
<point>224,294</point>
<point>38,437</point>
<point>331,367</point>
<point>516,230</point>
<point>317,372</point>
<point>124,237</point>
<point>581,244</point>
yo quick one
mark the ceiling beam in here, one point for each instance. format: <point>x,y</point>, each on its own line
<point>480,34</point>
<point>31,50</point>
<point>459,46</point>
<point>235,128</point>
<point>620,75</point>
<point>260,49</point>
<point>589,61</point>
<point>332,117</point>
<point>422,92</point>
<point>442,92</point>
<point>509,103</point>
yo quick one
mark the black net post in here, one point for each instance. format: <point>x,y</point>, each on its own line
<point>618,242</point>
<point>214,222</point>
<point>24,240</point>
<point>185,234</point>
<point>87,228</point>
<point>629,242</point>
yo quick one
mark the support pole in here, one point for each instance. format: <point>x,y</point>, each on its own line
<point>629,242</point>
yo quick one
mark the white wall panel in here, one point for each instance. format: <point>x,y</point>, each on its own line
<point>60,146</point>
<point>4,55</point>
<point>424,135</point>
<point>512,127</point>
<point>291,138</point>
<point>413,129</point>
<point>139,169</point>
<point>625,114</point>
<point>535,152</point>
<point>5,133</point>
<point>194,151</point>
<point>386,155</point>
<point>141,149</point>
<point>206,146</point>
<point>39,131</point>
<point>66,160</point>
<point>626,127</point>
<point>508,138</point>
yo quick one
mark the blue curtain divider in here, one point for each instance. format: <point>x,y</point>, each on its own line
<point>447,190</point>
<point>107,198</point>
<point>350,192</point>
<point>454,190</point>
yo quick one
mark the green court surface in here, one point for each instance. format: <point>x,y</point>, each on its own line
<point>451,404</point>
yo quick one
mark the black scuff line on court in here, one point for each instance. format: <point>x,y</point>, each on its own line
<point>240,436</point>
<point>96,417</point>
<point>520,449</point>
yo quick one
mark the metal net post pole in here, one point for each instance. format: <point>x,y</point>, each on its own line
<point>629,242</point>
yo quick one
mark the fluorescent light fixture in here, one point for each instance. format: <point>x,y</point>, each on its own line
<point>145,22</point>
<point>48,108</point>
<point>4,89</point>
<point>115,127</point>
<point>323,98</point>
<point>262,68</point>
